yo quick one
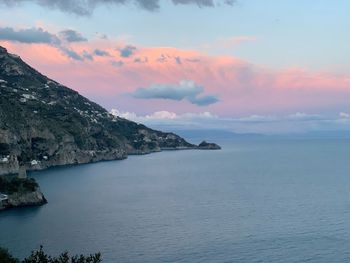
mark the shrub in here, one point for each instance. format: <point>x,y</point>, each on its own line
<point>39,256</point>
<point>5,257</point>
<point>9,185</point>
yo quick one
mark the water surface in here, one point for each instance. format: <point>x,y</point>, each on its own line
<point>257,200</point>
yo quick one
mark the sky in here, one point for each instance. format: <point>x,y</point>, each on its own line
<point>262,66</point>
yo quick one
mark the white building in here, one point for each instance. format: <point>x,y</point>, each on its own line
<point>3,197</point>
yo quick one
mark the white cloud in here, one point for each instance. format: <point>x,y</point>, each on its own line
<point>304,116</point>
<point>266,124</point>
<point>344,115</point>
<point>257,118</point>
<point>162,115</point>
<point>201,115</point>
<point>125,114</point>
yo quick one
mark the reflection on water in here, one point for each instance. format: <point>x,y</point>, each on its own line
<point>257,200</point>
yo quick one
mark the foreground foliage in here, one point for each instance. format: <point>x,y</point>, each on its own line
<point>10,185</point>
<point>39,256</point>
<point>6,257</point>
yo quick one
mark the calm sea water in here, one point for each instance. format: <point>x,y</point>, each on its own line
<point>257,200</point>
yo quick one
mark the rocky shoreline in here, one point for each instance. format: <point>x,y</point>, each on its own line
<point>35,197</point>
<point>45,124</point>
<point>19,192</point>
<point>15,200</point>
<point>12,166</point>
<point>208,146</point>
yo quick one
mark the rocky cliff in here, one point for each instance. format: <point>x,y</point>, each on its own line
<point>44,124</point>
<point>35,198</point>
<point>208,146</point>
<point>17,192</point>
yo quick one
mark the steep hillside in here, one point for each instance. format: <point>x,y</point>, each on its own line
<point>44,124</point>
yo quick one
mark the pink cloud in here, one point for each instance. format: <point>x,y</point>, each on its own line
<point>243,88</point>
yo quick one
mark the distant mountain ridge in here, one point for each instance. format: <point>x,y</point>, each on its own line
<point>45,124</point>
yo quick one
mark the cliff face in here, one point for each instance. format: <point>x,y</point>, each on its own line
<point>208,146</point>
<point>44,124</point>
<point>35,198</point>
<point>19,192</point>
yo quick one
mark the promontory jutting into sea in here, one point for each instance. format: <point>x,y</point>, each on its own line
<point>65,128</point>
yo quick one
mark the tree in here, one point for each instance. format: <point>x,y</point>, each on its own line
<point>39,256</point>
<point>5,257</point>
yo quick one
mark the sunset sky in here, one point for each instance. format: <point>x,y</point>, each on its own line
<point>247,66</point>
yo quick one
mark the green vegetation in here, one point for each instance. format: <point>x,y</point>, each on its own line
<point>10,185</point>
<point>43,121</point>
<point>39,256</point>
<point>4,149</point>
<point>6,257</point>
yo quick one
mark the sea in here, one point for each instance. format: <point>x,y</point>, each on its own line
<point>259,199</point>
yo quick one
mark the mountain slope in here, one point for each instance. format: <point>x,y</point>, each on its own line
<point>44,124</point>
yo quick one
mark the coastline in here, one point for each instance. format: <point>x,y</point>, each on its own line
<point>44,166</point>
<point>37,198</point>
<point>20,192</point>
<point>31,199</point>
